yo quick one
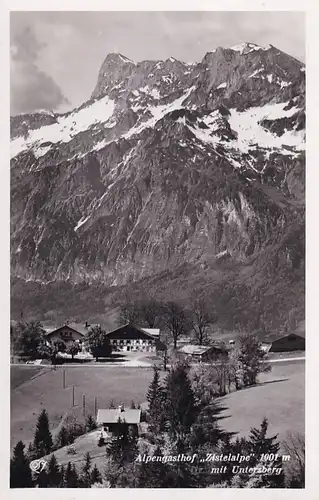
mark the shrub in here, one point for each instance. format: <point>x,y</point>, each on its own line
<point>101,441</point>
<point>71,450</point>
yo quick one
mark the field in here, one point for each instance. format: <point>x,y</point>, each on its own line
<point>20,375</point>
<point>279,396</point>
<point>46,391</point>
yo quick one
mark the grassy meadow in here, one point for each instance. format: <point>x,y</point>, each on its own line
<point>279,396</point>
<point>46,391</point>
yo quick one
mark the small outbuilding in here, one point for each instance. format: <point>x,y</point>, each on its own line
<point>290,342</point>
<point>109,419</point>
<point>203,353</point>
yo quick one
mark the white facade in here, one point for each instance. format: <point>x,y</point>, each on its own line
<point>134,345</point>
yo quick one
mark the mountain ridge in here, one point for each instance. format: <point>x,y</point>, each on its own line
<point>167,164</point>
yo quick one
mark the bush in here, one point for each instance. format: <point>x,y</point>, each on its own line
<point>71,450</point>
<point>101,441</point>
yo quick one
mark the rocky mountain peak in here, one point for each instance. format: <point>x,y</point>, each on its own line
<point>169,164</point>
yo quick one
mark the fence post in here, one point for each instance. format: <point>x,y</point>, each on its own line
<point>63,379</point>
<point>83,405</point>
<point>73,399</point>
<point>95,407</point>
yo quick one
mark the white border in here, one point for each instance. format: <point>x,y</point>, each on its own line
<point>312,406</point>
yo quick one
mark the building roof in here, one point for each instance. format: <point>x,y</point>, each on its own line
<point>112,416</point>
<point>152,331</point>
<point>275,336</point>
<point>77,327</point>
<point>194,350</point>
<point>143,331</point>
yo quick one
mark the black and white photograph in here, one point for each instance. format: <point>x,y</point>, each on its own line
<point>157,249</point>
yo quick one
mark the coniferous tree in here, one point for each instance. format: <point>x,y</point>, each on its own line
<point>70,476</point>
<point>238,447</point>
<point>96,476</point>
<point>53,472</point>
<point>42,438</point>
<point>63,438</point>
<point>31,452</point>
<point>42,479</point>
<point>112,405</point>
<point>156,398</point>
<point>123,447</point>
<point>205,431</point>
<point>182,474</point>
<point>256,445</point>
<point>180,407</point>
<point>62,477</point>
<point>85,477</point>
<point>90,423</point>
<point>20,473</point>
<point>262,445</point>
<point>153,474</point>
<point>260,442</point>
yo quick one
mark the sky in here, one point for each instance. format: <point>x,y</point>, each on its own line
<point>56,56</point>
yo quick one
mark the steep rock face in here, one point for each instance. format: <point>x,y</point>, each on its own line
<point>167,164</point>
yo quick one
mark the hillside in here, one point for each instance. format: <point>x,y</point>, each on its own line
<point>173,179</point>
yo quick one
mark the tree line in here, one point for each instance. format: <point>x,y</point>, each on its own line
<point>173,317</point>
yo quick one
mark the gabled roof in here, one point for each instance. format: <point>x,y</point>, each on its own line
<point>197,349</point>
<point>141,330</point>
<point>152,331</point>
<point>275,336</point>
<point>76,327</point>
<point>112,416</point>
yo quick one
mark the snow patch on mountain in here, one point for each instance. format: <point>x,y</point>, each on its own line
<point>126,59</point>
<point>167,79</point>
<point>155,93</point>
<point>204,135</point>
<point>222,85</point>
<point>284,84</point>
<point>145,89</point>
<point>256,72</point>
<point>81,222</point>
<point>158,112</point>
<point>250,133</point>
<point>67,127</point>
<point>248,47</point>
<point>41,151</point>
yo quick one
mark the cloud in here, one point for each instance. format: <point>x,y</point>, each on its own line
<point>57,53</point>
<point>31,88</point>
